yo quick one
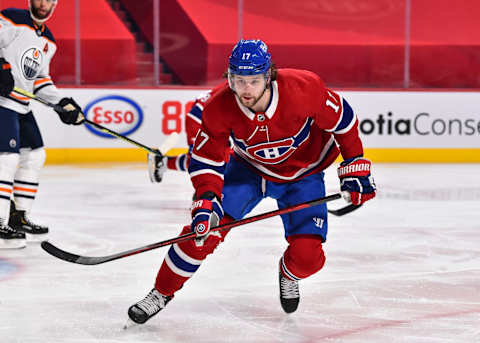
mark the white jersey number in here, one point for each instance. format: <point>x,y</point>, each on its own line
<point>204,137</point>
<point>332,102</point>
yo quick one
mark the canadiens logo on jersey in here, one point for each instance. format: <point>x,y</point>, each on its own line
<point>276,151</point>
<point>31,63</point>
<point>272,152</point>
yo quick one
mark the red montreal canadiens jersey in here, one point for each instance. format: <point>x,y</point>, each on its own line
<point>193,122</point>
<point>193,119</point>
<point>296,136</point>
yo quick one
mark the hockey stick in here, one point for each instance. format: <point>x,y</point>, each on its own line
<point>88,260</point>
<point>98,126</point>
<point>344,210</point>
<point>347,209</point>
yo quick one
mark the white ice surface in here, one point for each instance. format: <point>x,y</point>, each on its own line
<point>404,268</point>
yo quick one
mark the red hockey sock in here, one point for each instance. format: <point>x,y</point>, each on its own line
<point>179,162</point>
<point>183,260</point>
<point>303,257</point>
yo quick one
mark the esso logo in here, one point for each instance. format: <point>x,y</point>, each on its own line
<point>115,112</point>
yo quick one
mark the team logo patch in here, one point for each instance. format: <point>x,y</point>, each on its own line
<point>31,63</point>
<point>13,143</point>
<point>115,112</point>
<point>201,228</point>
<point>272,152</point>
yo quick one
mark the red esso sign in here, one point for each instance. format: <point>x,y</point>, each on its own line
<point>104,115</point>
<point>115,112</point>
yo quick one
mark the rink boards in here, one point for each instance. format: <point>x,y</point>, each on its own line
<point>396,126</point>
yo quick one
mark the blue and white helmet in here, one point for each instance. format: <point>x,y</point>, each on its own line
<point>249,57</point>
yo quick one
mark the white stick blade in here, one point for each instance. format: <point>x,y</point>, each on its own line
<point>169,143</point>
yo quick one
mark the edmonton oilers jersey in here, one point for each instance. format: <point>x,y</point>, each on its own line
<point>29,50</point>
<point>302,132</point>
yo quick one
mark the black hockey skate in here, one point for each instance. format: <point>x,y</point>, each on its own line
<point>289,292</point>
<point>10,238</point>
<point>20,222</point>
<point>146,308</point>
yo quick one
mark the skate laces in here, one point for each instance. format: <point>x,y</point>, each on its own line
<point>152,303</point>
<point>289,288</point>
<point>27,221</point>
<point>6,227</point>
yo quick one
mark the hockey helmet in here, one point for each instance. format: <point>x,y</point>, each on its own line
<point>249,57</point>
<point>34,15</point>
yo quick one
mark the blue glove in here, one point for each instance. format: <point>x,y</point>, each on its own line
<point>355,178</point>
<point>206,213</point>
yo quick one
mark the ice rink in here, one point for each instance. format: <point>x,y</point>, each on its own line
<point>404,268</point>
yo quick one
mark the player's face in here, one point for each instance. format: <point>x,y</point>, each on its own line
<point>42,8</point>
<point>249,88</point>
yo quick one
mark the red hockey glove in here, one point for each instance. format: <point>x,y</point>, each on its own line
<point>355,178</point>
<point>206,213</point>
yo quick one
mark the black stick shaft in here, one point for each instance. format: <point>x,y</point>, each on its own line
<point>98,126</point>
<point>87,260</point>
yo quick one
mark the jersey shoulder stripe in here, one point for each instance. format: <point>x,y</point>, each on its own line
<point>48,34</point>
<point>22,17</point>
<point>347,120</point>
<point>18,16</point>
<point>196,113</point>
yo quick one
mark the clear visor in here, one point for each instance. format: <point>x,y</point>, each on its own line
<point>239,82</point>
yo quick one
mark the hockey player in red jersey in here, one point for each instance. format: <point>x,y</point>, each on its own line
<point>26,49</point>
<point>286,127</point>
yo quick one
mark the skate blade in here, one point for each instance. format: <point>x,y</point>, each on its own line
<point>130,323</point>
<point>16,244</point>
<point>36,238</point>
